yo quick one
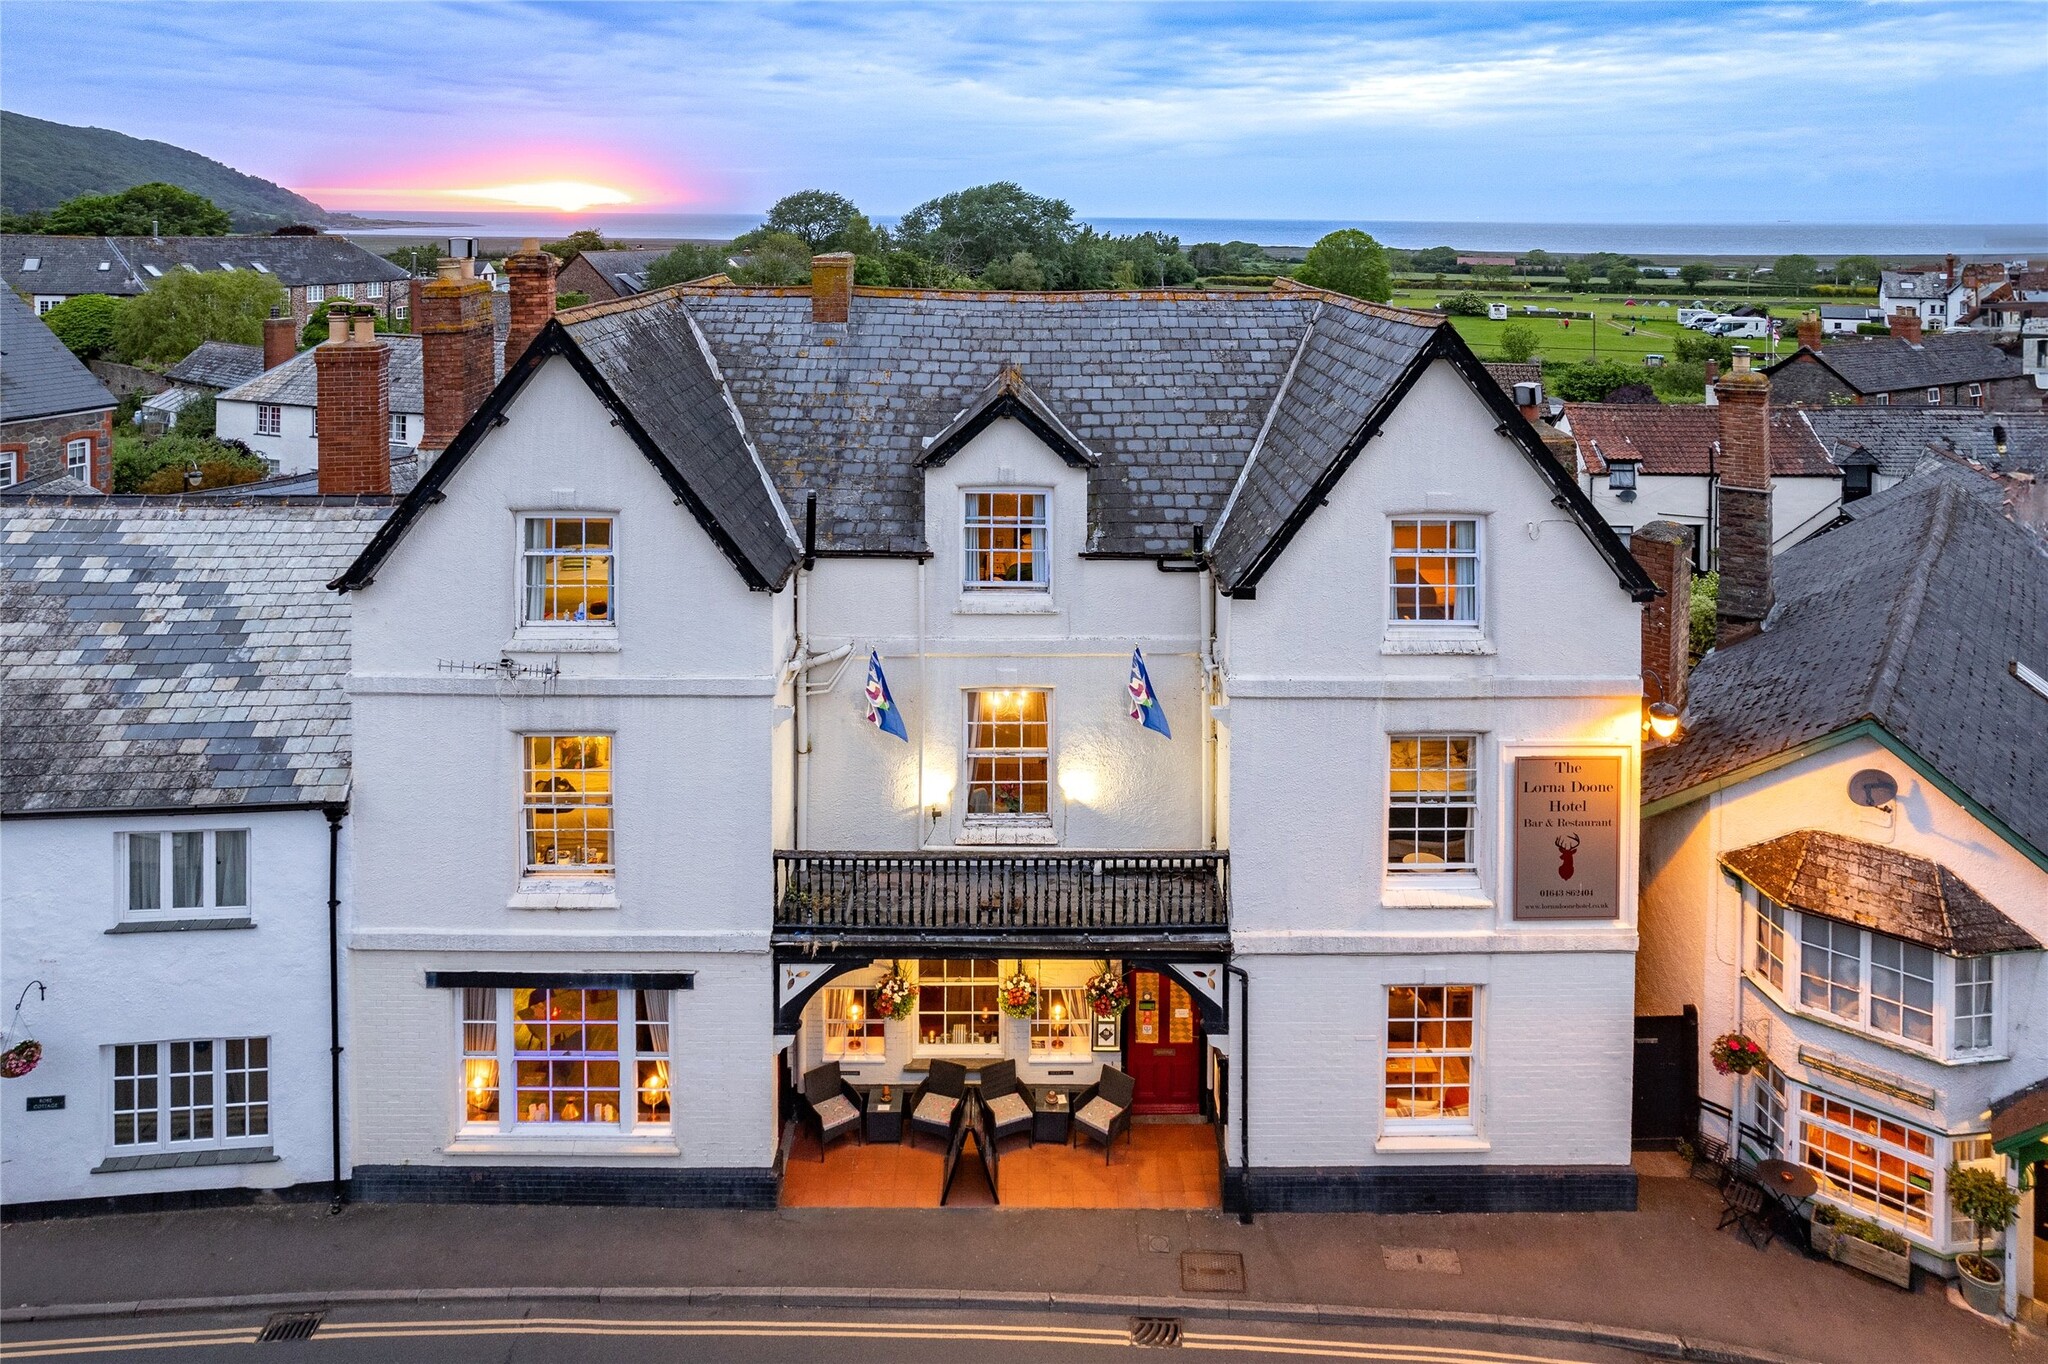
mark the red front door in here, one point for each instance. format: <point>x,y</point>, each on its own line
<point>1163,1044</point>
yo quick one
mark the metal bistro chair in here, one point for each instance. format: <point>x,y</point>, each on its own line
<point>1746,1207</point>
<point>830,1104</point>
<point>1007,1102</point>
<point>939,1105</point>
<point>1709,1159</point>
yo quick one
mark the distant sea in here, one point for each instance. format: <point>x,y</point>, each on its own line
<point>1641,239</point>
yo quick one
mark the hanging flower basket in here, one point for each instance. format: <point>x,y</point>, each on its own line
<point>895,997</point>
<point>1736,1054</point>
<point>21,1058</point>
<point>1018,995</point>
<point>1107,993</point>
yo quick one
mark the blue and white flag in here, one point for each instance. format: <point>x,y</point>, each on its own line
<point>882,712</point>
<point>1145,707</point>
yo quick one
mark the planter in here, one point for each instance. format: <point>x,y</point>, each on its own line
<point>1892,1266</point>
<point>1823,1237</point>
<point>1983,1295</point>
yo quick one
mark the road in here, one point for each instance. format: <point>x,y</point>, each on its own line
<point>511,1333</point>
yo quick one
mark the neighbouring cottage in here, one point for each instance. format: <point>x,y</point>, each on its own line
<point>1974,369</point>
<point>605,275</point>
<point>56,418</point>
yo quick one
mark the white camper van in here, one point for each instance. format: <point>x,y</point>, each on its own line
<point>1740,327</point>
<point>1696,317</point>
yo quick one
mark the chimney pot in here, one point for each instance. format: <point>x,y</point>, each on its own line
<point>448,268</point>
<point>337,323</point>
<point>453,321</point>
<point>364,331</point>
<point>832,286</point>
<point>1905,324</point>
<point>532,286</point>
<point>353,387</point>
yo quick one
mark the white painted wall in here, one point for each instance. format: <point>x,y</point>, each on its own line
<point>65,887</point>
<point>1799,506</point>
<point>295,449</point>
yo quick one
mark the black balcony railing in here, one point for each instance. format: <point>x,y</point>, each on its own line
<point>1011,891</point>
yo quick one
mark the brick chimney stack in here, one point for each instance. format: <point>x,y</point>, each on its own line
<point>1949,271</point>
<point>831,286</point>
<point>1713,368</point>
<point>1809,330</point>
<point>280,339</point>
<point>1664,549</point>
<point>533,296</point>
<point>454,326</point>
<point>1905,324</point>
<point>1743,502</point>
<point>353,377</point>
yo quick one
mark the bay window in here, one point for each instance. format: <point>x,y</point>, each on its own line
<point>202,1092</point>
<point>1881,1166</point>
<point>1973,1004</point>
<point>1427,1085</point>
<point>191,869</point>
<point>1902,989</point>
<point>1830,966</point>
<point>1767,934</point>
<point>573,1060</point>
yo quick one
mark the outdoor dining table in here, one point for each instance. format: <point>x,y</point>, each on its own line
<point>1789,1186</point>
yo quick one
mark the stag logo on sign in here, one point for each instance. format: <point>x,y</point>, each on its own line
<point>1567,813</point>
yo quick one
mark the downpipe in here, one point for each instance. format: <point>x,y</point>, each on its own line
<point>334,815</point>
<point>1244,1092</point>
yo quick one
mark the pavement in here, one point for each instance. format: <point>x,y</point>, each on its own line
<point>1661,1280</point>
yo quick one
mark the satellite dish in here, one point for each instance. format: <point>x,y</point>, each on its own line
<point>1873,788</point>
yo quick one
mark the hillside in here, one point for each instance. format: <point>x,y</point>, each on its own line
<point>42,164</point>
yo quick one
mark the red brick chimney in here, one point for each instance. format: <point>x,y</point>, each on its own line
<point>1949,271</point>
<point>454,326</point>
<point>831,286</point>
<point>1905,324</point>
<point>533,296</point>
<point>353,374</point>
<point>1713,368</point>
<point>1809,330</point>
<point>1743,502</point>
<point>1664,549</point>
<point>280,339</point>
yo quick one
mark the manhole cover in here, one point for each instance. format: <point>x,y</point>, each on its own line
<point>1211,1271</point>
<point>1421,1261</point>
<point>1159,1333</point>
<point>290,1326</point>
<point>1157,1245</point>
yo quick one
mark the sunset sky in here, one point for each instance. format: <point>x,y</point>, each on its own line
<point>1623,113</point>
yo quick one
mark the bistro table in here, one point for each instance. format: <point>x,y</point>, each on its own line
<point>882,1118</point>
<point>1052,1113</point>
<point>1789,1186</point>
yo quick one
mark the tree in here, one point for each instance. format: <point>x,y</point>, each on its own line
<point>575,298</point>
<point>1499,274</point>
<point>690,260</point>
<point>1620,275</point>
<point>1858,270</point>
<point>85,324</point>
<point>1020,271</point>
<point>1517,341</point>
<point>1795,272</point>
<point>970,228</point>
<point>160,465</point>
<point>1695,274</point>
<point>819,217</point>
<point>1990,1204</point>
<point>1701,612</point>
<point>1348,262</point>
<point>1435,259</point>
<point>185,308</point>
<point>1224,258</point>
<point>197,417</point>
<point>415,260</point>
<point>1537,262</point>
<point>1577,276</point>
<point>576,243</point>
<point>1589,383</point>
<point>1464,305</point>
<point>774,258</point>
<point>155,209</point>
<point>1698,348</point>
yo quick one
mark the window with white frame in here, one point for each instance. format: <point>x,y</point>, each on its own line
<point>1902,989</point>
<point>1429,1058</point>
<point>1882,1166</point>
<point>376,289</point>
<point>1006,540</point>
<point>185,1094</point>
<point>1977,394</point>
<point>78,458</point>
<point>1972,1150</point>
<point>191,869</point>
<point>1767,936</point>
<point>567,571</point>
<point>316,293</point>
<point>269,419</point>
<point>10,468</point>
<point>1830,966</point>
<point>568,803</point>
<point>1432,802</point>
<point>1433,571</point>
<point>1009,757</point>
<point>1933,396</point>
<point>398,428</point>
<point>956,1005</point>
<point>1973,1004</point>
<point>345,291</point>
<point>1767,1109</point>
<point>578,1059</point>
<point>46,304</point>
<point>1061,1028</point>
<point>853,1031</point>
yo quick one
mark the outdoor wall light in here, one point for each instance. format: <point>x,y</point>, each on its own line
<point>1660,717</point>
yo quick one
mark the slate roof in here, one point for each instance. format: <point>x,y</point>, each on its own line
<point>1913,284</point>
<point>218,365</point>
<point>1900,437</point>
<point>1881,889</point>
<point>626,271</point>
<point>2018,1113</point>
<point>160,653</point>
<point>1910,615</point>
<point>1679,440</point>
<point>296,382</point>
<point>1837,312</point>
<point>39,377</point>
<point>1891,364</point>
<point>74,265</point>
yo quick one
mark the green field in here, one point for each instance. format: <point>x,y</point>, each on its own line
<point>1621,333</point>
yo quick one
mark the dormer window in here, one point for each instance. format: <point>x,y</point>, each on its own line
<point>1621,477</point>
<point>1006,540</point>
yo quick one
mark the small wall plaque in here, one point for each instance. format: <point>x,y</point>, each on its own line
<point>45,1103</point>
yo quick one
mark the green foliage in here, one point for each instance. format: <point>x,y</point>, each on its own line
<point>47,163</point>
<point>1862,1228</point>
<point>1845,290</point>
<point>196,417</point>
<point>1349,262</point>
<point>1578,275</point>
<point>1706,596</point>
<point>575,298</point>
<point>1858,270</point>
<point>773,258</point>
<point>908,270</point>
<point>1795,271</point>
<point>1590,383</point>
<point>691,260</point>
<point>826,222</point>
<point>1464,305</point>
<point>577,242</point>
<point>85,324</point>
<point>1986,1199</point>
<point>35,220</point>
<point>1695,274</point>
<point>1537,262</point>
<point>1620,275</point>
<point>1225,258</point>
<point>1697,348</point>
<point>1682,381</point>
<point>1437,259</point>
<point>970,228</point>
<point>1517,341</point>
<point>1020,271</point>
<point>315,330</point>
<point>152,209</point>
<point>1496,273</point>
<point>415,260</point>
<point>185,308</point>
<point>158,466</point>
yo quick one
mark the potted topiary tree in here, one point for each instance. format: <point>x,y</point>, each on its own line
<point>1988,1201</point>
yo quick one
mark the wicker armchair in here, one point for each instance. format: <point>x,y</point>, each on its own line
<point>939,1105</point>
<point>829,1104</point>
<point>1103,1110</point>
<point>1007,1102</point>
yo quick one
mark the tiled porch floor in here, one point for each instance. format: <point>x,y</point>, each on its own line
<point>1166,1165</point>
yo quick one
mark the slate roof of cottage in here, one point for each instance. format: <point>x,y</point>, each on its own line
<point>1879,888</point>
<point>296,382</point>
<point>1929,284</point>
<point>39,377</point>
<point>1901,437</point>
<point>162,653</point>
<point>1891,364</point>
<point>73,265</point>
<point>2020,1112</point>
<point>218,365</point>
<point>1911,615</point>
<point>1679,439</point>
<point>625,271</point>
<point>1838,312</point>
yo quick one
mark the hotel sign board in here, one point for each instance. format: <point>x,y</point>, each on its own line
<point>1568,838</point>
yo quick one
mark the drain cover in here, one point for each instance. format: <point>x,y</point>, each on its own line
<point>1158,1333</point>
<point>1421,1261</point>
<point>290,1326</point>
<point>1211,1271</point>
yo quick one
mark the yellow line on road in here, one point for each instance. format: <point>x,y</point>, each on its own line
<point>153,1340</point>
<point>1415,1354</point>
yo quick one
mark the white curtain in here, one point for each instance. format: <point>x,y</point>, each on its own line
<point>654,1010</point>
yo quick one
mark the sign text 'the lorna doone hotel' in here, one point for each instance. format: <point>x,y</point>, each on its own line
<point>1568,838</point>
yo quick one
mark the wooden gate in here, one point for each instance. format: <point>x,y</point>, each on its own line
<point>1667,1082</point>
